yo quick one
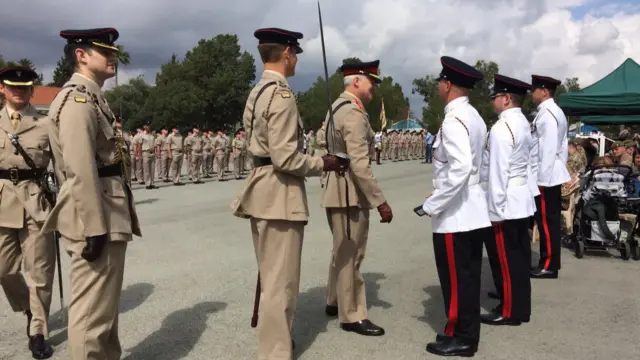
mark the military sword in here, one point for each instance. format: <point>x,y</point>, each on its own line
<point>331,123</point>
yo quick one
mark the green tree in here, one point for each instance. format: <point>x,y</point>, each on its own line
<point>217,76</point>
<point>62,73</point>
<point>123,58</point>
<point>127,100</point>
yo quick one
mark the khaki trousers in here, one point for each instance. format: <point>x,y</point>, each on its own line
<point>237,165</point>
<point>95,300</point>
<point>206,159</point>
<point>196,163</point>
<point>219,163</point>
<point>176,166</point>
<point>134,166</point>
<point>158,168</point>
<point>278,246</point>
<point>164,159</point>
<point>139,167</point>
<point>148,164</point>
<point>346,286</point>
<point>31,288</point>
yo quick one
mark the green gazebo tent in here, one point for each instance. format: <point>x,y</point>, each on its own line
<point>407,124</point>
<point>614,99</point>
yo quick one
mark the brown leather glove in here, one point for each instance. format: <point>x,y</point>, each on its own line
<point>385,213</point>
<point>333,163</point>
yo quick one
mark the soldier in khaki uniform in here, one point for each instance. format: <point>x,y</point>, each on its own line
<point>247,163</point>
<point>164,156</point>
<point>274,196</point>
<point>136,164</point>
<point>175,153</point>
<point>237,146</point>
<point>352,134</point>
<point>27,257</point>
<point>206,154</point>
<point>196,145</point>
<point>187,152</point>
<point>209,164</point>
<point>146,151</point>
<point>219,145</point>
<point>95,213</point>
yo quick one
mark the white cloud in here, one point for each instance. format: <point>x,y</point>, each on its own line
<point>408,36</point>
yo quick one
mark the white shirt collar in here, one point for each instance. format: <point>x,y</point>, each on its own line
<point>545,104</point>
<point>457,102</point>
<point>505,114</point>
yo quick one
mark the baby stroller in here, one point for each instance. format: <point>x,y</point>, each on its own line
<point>596,224</point>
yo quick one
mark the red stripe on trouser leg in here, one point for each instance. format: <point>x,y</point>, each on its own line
<point>507,300</point>
<point>545,226</point>
<point>453,303</point>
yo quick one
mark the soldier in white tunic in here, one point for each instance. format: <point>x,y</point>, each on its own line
<point>550,127</point>
<point>459,210</point>
<point>510,203</point>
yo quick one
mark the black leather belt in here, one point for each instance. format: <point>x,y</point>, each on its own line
<point>261,161</point>
<point>110,170</point>
<point>16,175</point>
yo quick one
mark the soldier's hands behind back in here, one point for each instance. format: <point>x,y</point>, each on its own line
<point>386,214</point>
<point>333,163</point>
<point>94,246</point>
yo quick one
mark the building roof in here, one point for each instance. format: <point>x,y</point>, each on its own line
<point>44,95</point>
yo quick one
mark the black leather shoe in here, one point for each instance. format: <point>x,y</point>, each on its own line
<point>443,337</point>
<point>540,273</point>
<point>331,310</point>
<point>293,345</point>
<point>178,184</point>
<point>452,347</point>
<point>494,295</point>
<point>29,317</point>
<point>363,327</point>
<point>39,347</point>
<point>497,319</point>
<point>198,182</point>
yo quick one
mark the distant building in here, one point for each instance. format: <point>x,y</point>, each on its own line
<point>43,97</point>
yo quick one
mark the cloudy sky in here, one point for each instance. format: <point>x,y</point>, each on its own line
<point>559,38</point>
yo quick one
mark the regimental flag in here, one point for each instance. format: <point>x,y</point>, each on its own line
<point>383,117</point>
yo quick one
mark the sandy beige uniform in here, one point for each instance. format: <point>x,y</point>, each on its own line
<point>354,136</point>
<point>206,155</point>
<point>238,158</point>
<point>274,198</point>
<point>91,203</point>
<point>196,145</point>
<point>147,142</point>
<point>23,210</point>
<point>137,163</point>
<point>219,146</point>
<point>175,142</point>
<point>161,141</point>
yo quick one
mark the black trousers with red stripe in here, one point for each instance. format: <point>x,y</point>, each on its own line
<point>548,218</point>
<point>459,263</point>
<point>509,252</point>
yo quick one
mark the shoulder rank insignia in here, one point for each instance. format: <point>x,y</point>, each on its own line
<point>81,89</point>
<point>286,94</point>
<point>80,99</point>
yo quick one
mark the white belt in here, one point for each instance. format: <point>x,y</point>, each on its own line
<point>474,179</point>
<point>513,182</point>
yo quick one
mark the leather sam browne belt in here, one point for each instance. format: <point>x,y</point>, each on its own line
<point>261,161</point>
<point>17,175</point>
<point>110,170</point>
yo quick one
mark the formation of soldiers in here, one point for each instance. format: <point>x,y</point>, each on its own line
<point>401,145</point>
<point>487,187</point>
<point>160,156</point>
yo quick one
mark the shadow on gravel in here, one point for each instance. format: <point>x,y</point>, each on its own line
<point>311,320</point>
<point>134,295</point>
<point>178,335</point>
<point>130,298</point>
<point>148,201</point>
<point>434,311</point>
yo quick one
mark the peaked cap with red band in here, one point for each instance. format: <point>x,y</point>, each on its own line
<point>279,36</point>
<point>544,82</point>
<point>459,73</point>
<point>505,84</point>
<point>18,76</point>
<point>102,37</point>
<point>370,69</point>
